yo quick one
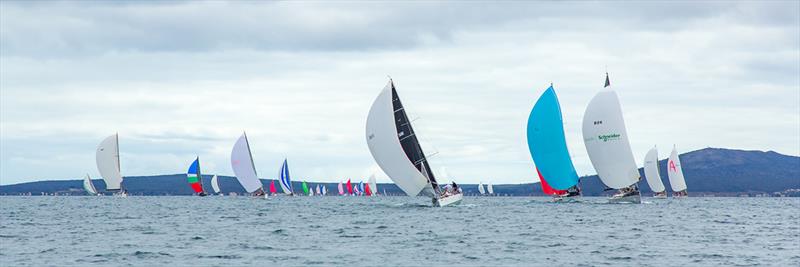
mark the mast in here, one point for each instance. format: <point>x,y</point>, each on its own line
<point>409,141</point>
<point>200,176</point>
<point>119,166</point>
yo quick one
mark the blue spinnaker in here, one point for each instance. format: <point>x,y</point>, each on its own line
<point>547,143</point>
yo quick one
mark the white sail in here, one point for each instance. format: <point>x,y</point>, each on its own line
<point>89,186</point>
<point>384,145</point>
<point>324,190</point>
<point>242,165</point>
<point>373,185</point>
<point>607,142</point>
<point>107,157</point>
<point>490,189</point>
<point>215,184</point>
<point>318,190</point>
<point>480,188</point>
<point>651,171</point>
<point>674,171</point>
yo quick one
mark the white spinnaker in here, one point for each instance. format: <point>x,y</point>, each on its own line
<point>651,171</point>
<point>480,188</point>
<point>607,142</point>
<point>490,189</point>
<point>381,134</point>
<point>215,184</point>
<point>373,185</point>
<point>107,157</point>
<point>87,184</point>
<point>242,165</point>
<point>675,172</point>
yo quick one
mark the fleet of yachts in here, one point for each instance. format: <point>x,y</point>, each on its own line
<point>396,150</point>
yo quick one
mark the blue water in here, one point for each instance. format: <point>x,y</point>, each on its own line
<point>360,231</point>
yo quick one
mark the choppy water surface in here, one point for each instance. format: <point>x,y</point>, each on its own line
<point>223,231</point>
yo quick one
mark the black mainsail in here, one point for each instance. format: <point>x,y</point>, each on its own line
<point>409,141</point>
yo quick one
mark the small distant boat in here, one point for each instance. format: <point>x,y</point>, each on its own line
<point>272,190</point>
<point>490,189</point>
<point>286,181</point>
<point>356,191</point>
<point>395,147</point>
<point>480,188</point>
<point>548,147</point>
<point>361,190</point>
<point>107,157</point>
<point>341,189</point>
<point>244,168</point>
<point>324,190</point>
<point>608,147</point>
<point>89,186</point>
<point>349,188</point>
<point>652,174</point>
<point>305,188</point>
<point>195,178</point>
<point>318,191</point>
<point>675,173</point>
<point>373,185</point>
<point>215,185</point>
<point>367,190</point>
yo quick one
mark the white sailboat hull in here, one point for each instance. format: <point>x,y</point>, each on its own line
<point>448,200</point>
<point>631,199</point>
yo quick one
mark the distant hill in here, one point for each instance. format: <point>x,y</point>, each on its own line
<point>710,170</point>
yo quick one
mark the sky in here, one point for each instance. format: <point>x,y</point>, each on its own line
<point>178,80</point>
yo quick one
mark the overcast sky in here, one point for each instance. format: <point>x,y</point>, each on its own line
<point>182,79</point>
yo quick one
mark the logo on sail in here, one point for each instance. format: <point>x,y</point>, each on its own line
<point>672,166</point>
<point>607,137</point>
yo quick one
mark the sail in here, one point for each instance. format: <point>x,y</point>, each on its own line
<point>546,188</point>
<point>286,181</point>
<point>373,184</point>
<point>324,190</point>
<point>194,177</point>
<point>367,190</point>
<point>89,186</point>
<point>107,157</point>
<point>490,189</point>
<point>243,166</point>
<point>361,187</point>
<point>651,171</point>
<point>215,184</point>
<point>480,188</point>
<point>547,143</point>
<point>341,189</point>
<point>675,173</point>
<point>395,147</point>
<point>305,188</point>
<point>349,187</point>
<point>607,142</point>
<point>272,189</point>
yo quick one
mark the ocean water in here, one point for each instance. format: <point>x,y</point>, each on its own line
<point>405,231</point>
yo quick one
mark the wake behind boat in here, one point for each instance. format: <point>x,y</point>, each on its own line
<point>395,147</point>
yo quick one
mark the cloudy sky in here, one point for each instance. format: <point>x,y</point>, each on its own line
<point>181,79</point>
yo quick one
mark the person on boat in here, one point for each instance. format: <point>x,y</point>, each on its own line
<point>455,187</point>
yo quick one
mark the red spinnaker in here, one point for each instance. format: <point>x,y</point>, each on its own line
<point>349,187</point>
<point>546,187</point>
<point>272,188</point>
<point>367,190</point>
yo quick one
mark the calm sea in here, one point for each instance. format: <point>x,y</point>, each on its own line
<point>360,231</point>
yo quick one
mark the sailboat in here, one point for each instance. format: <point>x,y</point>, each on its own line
<point>480,188</point>
<point>490,189</point>
<point>215,185</point>
<point>356,191</point>
<point>373,185</point>
<point>548,147</point>
<point>324,190</point>
<point>675,173</point>
<point>349,188</point>
<point>341,189</point>
<point>244,168</point>
<point>305,188</point>
<point>607,144</point>
<point>107,157</point>
<point>361,190</point>
<point>367,190</point>
<point>395,147</point>
<point>652,174</point>
<point>195,178</point>
<point>286,181</point>
<point>89,186</point>
<point>318,191</point>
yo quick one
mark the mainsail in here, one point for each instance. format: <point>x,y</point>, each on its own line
<point>107,157</point>
<point>675,173</point>
<point>286,181</point>
<point>607,142</point>
<point>194,177</point>
<point>243,166</point>
<point>547,143</point>
<point>89,186</point>
<point>651,171</point>
<point>215,184</point>
<point>480,188</point>
<point>395,147</point>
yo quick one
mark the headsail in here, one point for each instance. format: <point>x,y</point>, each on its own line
<point>89,186</point>
<point>107,157</point>
<point>349,187</point>
<point>286,181</point>
<point>607,142</point>
<point>675,173</point>
<point>215,184</point>
<point>395,147</point>
<point>272,189</point>
<point>651,171</point>
<point>547,143</point>
<point>243,166</point>
<point>194,177</point>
